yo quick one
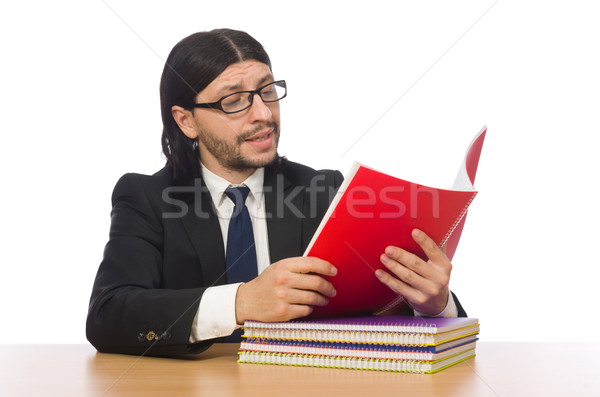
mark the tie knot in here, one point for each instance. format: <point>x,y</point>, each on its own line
<point>238,194</point>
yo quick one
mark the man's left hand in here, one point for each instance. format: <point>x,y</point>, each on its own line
<point>423,284</point>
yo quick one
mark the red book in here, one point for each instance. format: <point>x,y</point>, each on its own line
<point>373,210</point>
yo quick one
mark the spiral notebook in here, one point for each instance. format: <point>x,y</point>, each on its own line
<point>427,367</point>
<point>384,343</point>
<point>394,330</point>
<point>359,350</point>
<point>373,210</point>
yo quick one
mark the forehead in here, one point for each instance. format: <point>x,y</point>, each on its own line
<point>240,76</point>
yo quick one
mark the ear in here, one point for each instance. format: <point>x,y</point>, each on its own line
<point>185,120</point>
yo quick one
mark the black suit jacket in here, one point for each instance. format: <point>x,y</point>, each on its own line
<point>165,248</point>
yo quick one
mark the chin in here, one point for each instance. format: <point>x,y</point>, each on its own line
<point>263,160</point>
<point>242,163</point>
<point>259,159</point>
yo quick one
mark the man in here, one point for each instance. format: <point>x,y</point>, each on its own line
<point>169,281</point>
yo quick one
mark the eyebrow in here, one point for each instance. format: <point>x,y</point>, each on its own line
<point>228,89</point>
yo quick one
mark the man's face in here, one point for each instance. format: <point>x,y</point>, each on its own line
<point>239,141</point>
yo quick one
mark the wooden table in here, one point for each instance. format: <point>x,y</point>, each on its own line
<point>499,369</point>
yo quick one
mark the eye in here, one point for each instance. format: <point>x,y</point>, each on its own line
<point>232,101</point>
<point>269,92</point>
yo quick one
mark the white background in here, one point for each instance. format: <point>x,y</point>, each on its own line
<point>404,86</point>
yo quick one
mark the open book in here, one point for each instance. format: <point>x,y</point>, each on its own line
<point>373,210</point>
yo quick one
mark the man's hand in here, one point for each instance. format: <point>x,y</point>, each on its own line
<point>286,290</point>
<point>423,284</point>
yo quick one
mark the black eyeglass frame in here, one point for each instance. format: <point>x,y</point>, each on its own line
<point>217,104</point>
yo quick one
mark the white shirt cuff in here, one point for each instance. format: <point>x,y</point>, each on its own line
<point>449,311</point>
<point>216,314</point>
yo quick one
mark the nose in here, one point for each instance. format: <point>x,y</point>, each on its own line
<point>259,111</point>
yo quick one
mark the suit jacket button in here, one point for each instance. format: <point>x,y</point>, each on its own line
<point>150,335</point>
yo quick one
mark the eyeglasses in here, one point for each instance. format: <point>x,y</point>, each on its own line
<point>242,100</point>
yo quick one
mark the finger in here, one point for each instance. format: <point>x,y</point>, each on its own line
<point>304,297</point>
<point>311,264</point>
<point>431,302</point>
<point>283,311</point>
<point>297,311</point>
<point>396,285</point>
<point>431,249</point>
<point>313,282</point>
<point>409,274</point>
<point>427,277</point>
<point>408,260</point>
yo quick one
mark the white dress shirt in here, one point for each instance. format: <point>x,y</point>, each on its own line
<point>216,313</point>
<point>449,311</point>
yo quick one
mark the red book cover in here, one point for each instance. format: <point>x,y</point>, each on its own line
<point>373,210</point>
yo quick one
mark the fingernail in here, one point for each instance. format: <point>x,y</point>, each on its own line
<point>379,274</point>
<point>333,293</point>
<point>416,232</point>
<point>385,259</point>
<point>333,271</point>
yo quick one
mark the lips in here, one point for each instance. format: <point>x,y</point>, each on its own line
<point>262,141</point>
<point>261,136</point>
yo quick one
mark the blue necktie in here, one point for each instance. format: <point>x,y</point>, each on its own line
<point>240,256</point>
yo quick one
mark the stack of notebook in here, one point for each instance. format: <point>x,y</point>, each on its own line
<point>385,343</point>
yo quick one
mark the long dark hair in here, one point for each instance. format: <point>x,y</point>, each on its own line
<point>193,64</point>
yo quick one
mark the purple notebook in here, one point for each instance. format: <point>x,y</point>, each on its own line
<point>391,324</point>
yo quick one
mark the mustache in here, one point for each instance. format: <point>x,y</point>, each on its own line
<point>264,126</point>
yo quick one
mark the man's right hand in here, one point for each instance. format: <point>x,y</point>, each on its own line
<point>286,290</point>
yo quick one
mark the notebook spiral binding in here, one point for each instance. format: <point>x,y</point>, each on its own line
<point>457,221</point>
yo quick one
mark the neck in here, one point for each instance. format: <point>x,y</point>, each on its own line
<point>234,177</point>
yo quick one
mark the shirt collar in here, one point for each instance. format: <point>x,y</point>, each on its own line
<point>217,185</point>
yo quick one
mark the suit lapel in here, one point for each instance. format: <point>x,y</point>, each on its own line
<point>202,226</point>
<point>283,205</point>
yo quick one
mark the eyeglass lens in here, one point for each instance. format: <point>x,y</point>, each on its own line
<point>241,100</point>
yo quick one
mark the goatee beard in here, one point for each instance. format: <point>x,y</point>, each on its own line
<point>230,156</point>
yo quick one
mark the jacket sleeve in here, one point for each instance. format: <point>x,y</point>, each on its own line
<point>130,312</point>
<point>461,311</point>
